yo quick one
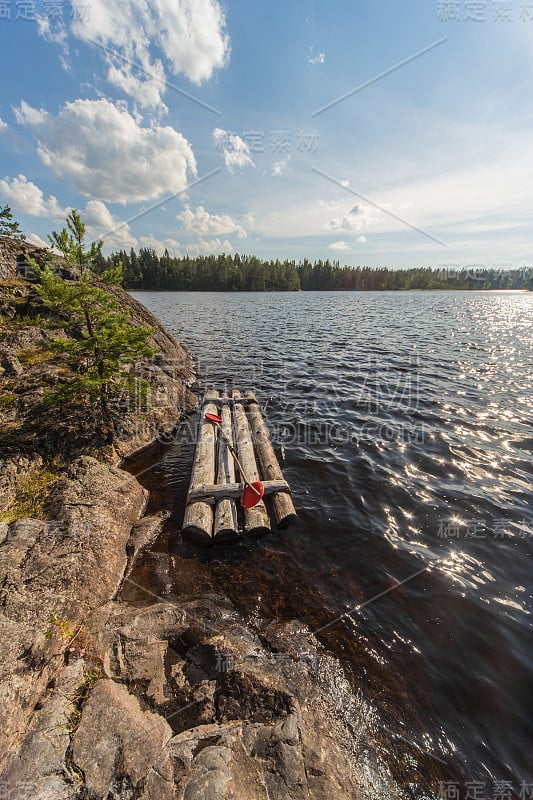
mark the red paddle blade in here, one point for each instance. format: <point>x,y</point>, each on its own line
<point>249,498</point>
<point>213,417</point>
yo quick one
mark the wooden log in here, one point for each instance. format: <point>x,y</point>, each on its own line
<point>282,505</point>
<point>224,400</point>
<point>198,519</point>
<point>211,493</point>
<point>226,520</point>
<point>256,520</point>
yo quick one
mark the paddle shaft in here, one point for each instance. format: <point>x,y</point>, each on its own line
<point>234,454</point>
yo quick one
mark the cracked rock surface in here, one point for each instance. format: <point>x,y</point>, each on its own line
<point>67,566</point>
<point>192,703</point>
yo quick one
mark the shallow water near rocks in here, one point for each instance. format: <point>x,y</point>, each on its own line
<point>406,424</point>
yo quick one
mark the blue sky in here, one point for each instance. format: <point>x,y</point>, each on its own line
<point>193,125</point>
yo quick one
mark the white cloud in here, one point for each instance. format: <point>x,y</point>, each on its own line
<point>27,115</point>
<point>145,90</point>
<point>357,218</point>
<point>66,66</point>
<point>52,29</point>
<point>175,249</point>
<point>193,36</point>
<point>200,221</point>
<point>236,151</point>
<point>211,247</point>
<point>361,240</point>
<point>190,35</point>
<point>339,246</point>
<point>107,153</point>
<point>26,197</point>
<point>279,167</point>
<point>101,223</point>
<point>319,59</point>
<point>160,245</point>
<point>3,125</point>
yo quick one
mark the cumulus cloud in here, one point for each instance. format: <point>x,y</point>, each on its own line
<point>319,59</point>
<point>175,249</point>
<point>190,36</point>
<point>27,115</point>
<point>193,36</point>
<point>26,197</point>
<point>3,126</point>
<point>160,245</point>
<point>212,246</point>
<point>146,89</point>
<point>235,150</point>
<point>200,221</point>
<point>101,223</point>
<point>339,246</point>
<point>106,151</point>
<point>361,240</point>
<point>357,218</point>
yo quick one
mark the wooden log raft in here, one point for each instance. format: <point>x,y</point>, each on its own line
<point>213,513</point>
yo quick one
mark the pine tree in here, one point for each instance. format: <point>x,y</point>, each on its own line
<point>71,242</point>
<point>101,345</point>
<point>7,226</point>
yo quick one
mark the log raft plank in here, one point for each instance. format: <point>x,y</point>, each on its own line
<point>256,519</point>
<point>226,519</point>
<point>282,505</point>
<point>224,400</point>
<point>213,492</point>
<point>199,516</point>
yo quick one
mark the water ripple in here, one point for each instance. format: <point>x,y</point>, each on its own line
<point>406,424</point>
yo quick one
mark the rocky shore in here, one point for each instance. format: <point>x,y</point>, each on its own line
<point>106,701</point>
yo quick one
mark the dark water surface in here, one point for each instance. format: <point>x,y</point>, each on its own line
<point>406,421</point>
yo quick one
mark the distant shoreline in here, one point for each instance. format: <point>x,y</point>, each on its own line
<point>146,270</point>
<point>325,291</point>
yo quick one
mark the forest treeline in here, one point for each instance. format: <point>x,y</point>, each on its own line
<point>244,273</point>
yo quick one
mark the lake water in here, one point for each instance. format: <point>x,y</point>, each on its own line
<point>406,422</point>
